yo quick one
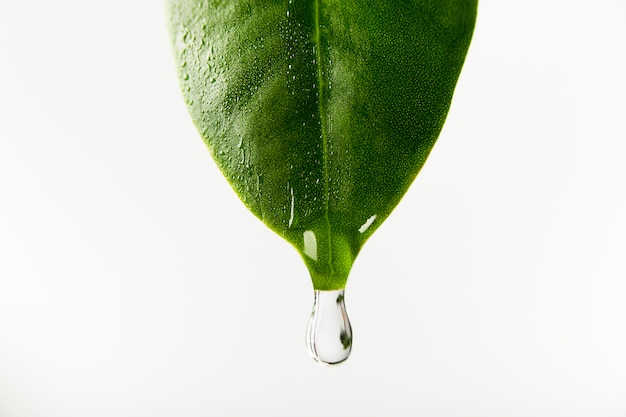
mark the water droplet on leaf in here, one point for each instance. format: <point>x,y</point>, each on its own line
<point>329,333</point>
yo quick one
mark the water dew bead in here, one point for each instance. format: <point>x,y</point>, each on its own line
<point>329,333</point>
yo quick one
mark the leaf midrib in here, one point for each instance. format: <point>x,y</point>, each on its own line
<point>323,127</point>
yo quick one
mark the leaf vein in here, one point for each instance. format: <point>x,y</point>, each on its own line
<point>323,127</point>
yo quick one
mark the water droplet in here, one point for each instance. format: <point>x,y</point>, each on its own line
<point>329,333</point>
<point>310,244</point>
<point>367,224</point>
<point>293,201</point>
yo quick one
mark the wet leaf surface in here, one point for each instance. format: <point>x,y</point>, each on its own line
<point>320,113</point>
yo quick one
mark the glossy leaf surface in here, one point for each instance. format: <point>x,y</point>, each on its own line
<point>320,113</point>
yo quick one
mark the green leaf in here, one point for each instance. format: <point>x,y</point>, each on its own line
<point>320,113</point>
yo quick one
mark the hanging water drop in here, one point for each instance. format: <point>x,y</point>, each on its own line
<point>329,333</point>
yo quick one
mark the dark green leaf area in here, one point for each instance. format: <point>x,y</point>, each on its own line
<point>320,113</point>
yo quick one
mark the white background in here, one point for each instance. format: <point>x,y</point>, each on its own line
<point>134,283</point>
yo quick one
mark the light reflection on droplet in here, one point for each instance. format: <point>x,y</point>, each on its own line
<point>367,224</point>
<point>310,245</point>
<point>293,204</point>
